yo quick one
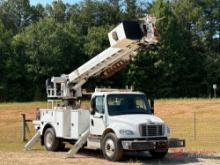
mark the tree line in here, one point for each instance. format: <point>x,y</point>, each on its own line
<point>37,42</point>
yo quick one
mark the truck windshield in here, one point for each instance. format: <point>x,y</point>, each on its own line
<point>123,104</point>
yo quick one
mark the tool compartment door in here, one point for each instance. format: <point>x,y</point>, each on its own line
<point>79,122</point>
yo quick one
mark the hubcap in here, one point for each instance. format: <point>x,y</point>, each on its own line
<point>49,140</point>
<point>109,147</point>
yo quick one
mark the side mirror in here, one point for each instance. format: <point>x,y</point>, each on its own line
<point>152,105</point>
<point>93,106</point>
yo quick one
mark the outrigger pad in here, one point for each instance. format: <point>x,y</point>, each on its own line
<point>174,143</point>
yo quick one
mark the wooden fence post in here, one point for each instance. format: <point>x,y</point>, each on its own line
<point>23,124</point>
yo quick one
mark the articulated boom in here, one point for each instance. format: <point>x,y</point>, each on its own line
<point>126,40</point>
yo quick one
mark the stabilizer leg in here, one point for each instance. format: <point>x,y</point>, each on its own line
<point>33,140</point>
<point>79,144</point>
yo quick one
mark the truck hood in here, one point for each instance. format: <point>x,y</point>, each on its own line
<point>137,119</point>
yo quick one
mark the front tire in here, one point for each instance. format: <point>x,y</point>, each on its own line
<point>111,147</point>
<point>158,154</point>
<point>50,141</point>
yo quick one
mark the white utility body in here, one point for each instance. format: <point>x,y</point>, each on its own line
<point>118,120</point>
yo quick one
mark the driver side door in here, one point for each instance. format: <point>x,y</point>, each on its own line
<point>97,121</point>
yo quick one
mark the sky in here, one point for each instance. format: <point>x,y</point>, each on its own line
<point>44,2</point>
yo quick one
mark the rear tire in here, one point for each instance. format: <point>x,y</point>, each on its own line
<point>111,148</point>
<point>51,142</point>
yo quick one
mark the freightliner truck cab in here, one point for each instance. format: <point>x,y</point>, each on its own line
<point>123,121</point>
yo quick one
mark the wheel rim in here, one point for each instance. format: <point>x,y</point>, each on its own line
<point>49,139</point>
<point>109,147</point>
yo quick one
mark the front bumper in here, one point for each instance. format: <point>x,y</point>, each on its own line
<point>144,145</point>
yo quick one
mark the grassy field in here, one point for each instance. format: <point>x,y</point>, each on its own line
<point>196,120</point>
<point>178,113</point>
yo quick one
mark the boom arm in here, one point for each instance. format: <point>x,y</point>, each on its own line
<point>127,39</point>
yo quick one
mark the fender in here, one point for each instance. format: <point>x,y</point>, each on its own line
<point>48,125</point>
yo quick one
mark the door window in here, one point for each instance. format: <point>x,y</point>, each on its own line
<point>99,104</point>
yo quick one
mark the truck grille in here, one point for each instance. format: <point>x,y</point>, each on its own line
<point>151,130</point>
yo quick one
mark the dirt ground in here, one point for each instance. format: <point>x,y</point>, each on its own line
<point>95,158</point>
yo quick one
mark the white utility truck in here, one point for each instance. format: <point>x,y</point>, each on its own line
<point>118,120</point>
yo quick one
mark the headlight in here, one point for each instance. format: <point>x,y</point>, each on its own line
<point>168,130</point>
<point>126,132</point>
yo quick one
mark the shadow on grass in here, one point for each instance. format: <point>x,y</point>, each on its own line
<point>144,157</point>
<point>172,158</point>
